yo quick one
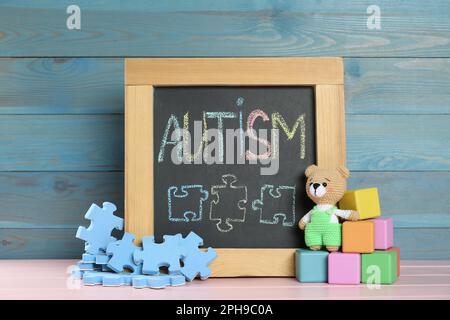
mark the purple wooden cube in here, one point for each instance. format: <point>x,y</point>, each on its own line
<point>344,268</point>
<point>384,233</point>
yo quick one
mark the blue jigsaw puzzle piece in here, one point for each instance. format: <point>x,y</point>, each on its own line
<point>103,222</point>
<point>122,254</point>
<point>90,262</point>
<point>190,243</point>
<point>77,273</point>
<point>195,260</point>
<point>107,279</point>
<point>110,279</point>
<point>158,282</point>
<point>88,258</point>
<point>177,280</point>
<point>276,204</point>
<point>180,205</point>
<point>87,266</point>
<point>156,255</point>
<point>105,268</point>
<point>102,259</point>
<point>197,264</point>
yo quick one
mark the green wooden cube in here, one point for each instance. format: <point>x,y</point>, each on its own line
<point>379,267</point>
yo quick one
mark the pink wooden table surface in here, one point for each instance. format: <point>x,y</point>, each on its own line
<point>48,279</point>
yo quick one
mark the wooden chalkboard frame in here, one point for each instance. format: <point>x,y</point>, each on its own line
<point>325,74</point>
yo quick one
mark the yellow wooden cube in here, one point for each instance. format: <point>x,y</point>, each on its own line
<point>365,201</point>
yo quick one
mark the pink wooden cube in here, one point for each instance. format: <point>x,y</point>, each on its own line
<point>344,268</point>
<point>384,233</point>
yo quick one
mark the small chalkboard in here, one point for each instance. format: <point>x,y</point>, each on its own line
<point>233,204</point>
<point>220,146</point>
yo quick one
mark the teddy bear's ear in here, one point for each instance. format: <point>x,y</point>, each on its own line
<point>310,170</point>
<point>344,172</point>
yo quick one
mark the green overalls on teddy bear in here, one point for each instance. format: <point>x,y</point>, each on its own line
<point>321,231</point>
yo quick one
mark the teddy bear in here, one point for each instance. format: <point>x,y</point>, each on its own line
<point>325,187</point>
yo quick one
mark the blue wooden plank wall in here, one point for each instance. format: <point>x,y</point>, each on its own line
<point>61,102</point>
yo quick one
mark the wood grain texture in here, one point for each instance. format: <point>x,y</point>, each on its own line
<point>59,199</point>
<point>330,125</point>
<point>48,279</point>
<point>95,143</point>
<point>55,199</point>
<point>412,199</point>
<point>40,243</point>
<point>389,101</point>
<point>397,86</point>
<point>398,142</point>
<point>253,263</point>
<point>139,193</point>
<point>416,244</point>
<point>234,71</point>
<point>95,85</point>
<point>61,86</point>
<point>233,28</point>
<point>61,142</point>
<point>423,244</point>
<point>326,74</point>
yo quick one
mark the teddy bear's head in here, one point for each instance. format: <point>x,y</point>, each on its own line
<point>326,186</point>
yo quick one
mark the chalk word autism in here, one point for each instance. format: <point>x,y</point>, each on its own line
<point>217,145</point>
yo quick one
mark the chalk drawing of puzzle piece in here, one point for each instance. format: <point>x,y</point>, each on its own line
<point>276,204</point>
<point>229,204</point>
<point>196,261</point>
<point>158,282</point>
<point>155,255</point>
<point>122,254</point>
<point>103,222</point>
<point>185,203</point>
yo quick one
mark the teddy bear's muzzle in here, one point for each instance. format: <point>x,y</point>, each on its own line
<point>317,190</point>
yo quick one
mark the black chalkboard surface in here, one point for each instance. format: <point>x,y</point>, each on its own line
<point>232,205</point>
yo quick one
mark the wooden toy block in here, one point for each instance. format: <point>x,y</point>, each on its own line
<point>344,268</point>
<point>379,267</point>
<point>384,233</point>
<point>365,201</point>
<point>358,237</point>
<point>311,266</point>
<point>397,250</point>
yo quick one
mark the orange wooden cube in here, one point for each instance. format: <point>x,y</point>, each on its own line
<point>358,237</point>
